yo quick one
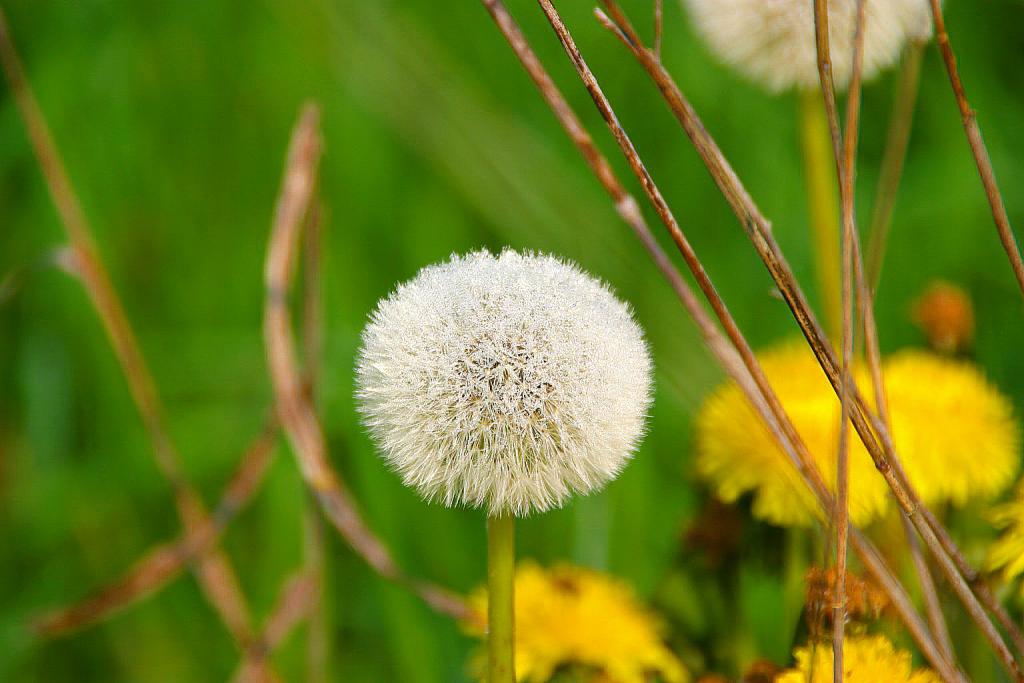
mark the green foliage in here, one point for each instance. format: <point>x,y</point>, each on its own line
<point>173,120</point>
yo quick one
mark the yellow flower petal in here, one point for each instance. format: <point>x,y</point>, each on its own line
<point>866,659</point>
<point>568,615</point>
<point>955,433</point>
<point>737,454</point>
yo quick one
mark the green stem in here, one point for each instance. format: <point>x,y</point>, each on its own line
<point>501,563</point>
<point>823,206</point>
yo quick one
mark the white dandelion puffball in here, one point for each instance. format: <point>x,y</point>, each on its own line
<point>772,41</point>
<point>508,382</point>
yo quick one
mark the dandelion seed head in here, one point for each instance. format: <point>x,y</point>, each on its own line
<point>508,382</point>
<point>772,41</point>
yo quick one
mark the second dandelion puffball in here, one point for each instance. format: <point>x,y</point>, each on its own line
<point>507,382</point>
<point>773,41</point>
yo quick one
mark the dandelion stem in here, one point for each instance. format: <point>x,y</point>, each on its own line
<point>823,205</point>
<point>501,560</point>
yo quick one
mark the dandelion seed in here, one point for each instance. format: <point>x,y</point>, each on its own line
<point>773,43</point>
<point>507,382</point>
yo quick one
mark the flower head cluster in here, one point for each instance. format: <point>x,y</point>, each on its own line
<point>507,382</point>
<point>737,453</point>
<point>866,659</point>
<point>773,41</point>
<point>954,432</point>
<point>573,617</point>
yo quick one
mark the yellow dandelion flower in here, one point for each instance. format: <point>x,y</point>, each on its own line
<point>1007,553</point>
<point>954,431</point>
<point>569,616</point>
<point>866,659</point>
<point>737,454</point>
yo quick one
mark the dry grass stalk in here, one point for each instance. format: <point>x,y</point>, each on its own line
<point>845,153</point>
<point>846,166</point>
<point>294,408</point>
<point>872,432</point>
<point>718,345</point>
<point>214,572</point>
<point>981,159</point>
<point>161,565</point>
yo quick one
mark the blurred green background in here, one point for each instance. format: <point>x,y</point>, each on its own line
<point>173,120</point>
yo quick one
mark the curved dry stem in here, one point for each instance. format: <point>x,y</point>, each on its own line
<point>214,572</point>
<point>161,565</point>
<point>294,408</point>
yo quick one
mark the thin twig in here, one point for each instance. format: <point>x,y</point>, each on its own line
<point>717,344</point>
<point>162,564</point>
<point>846,165</point>
<point>872,432</point>
<point>865,297</point>
<point>895,154</point>
<point>214,572</point>
<point>970,122</point>
<point>758,229</point>
<point>297,414</point>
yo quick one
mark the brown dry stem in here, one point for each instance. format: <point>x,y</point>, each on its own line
<point>718,345</point>
<point>294,408</point>
<point>872,432</point>
<point>214,572</point>
<point>165,562</point>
